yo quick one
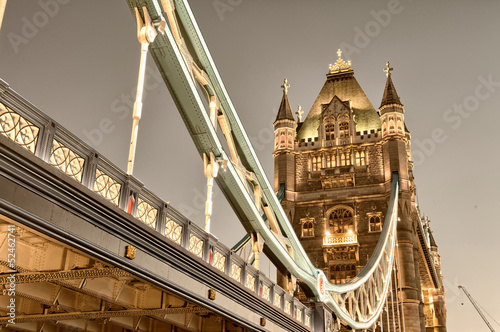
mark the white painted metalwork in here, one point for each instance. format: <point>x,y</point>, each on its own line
<point>359,302</point>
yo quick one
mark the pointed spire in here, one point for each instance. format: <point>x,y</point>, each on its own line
<point>390,94</point>
<point>285,111</point>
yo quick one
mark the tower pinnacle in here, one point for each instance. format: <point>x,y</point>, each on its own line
<point>285,111</point>
<point>285,86</point>
<point>388,69</point>
<point>390,94</point>
<point>299,113</point>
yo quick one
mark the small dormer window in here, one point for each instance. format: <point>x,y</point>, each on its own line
<point>344,129</point>
<point>330,131</point>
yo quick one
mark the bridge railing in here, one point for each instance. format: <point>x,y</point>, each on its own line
<point>33,130</point>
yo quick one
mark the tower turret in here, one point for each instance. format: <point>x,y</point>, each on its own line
<point>285,129</point>
<point>391,110</point>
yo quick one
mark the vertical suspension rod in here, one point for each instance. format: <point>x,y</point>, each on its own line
<point>397,295</point>
<point>146,34</point>
<point>392,306</point>
<point>400,287</point>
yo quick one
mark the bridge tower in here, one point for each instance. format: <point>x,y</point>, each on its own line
<point>337,176</point>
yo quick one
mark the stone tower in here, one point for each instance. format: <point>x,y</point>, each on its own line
<point>337,174</point>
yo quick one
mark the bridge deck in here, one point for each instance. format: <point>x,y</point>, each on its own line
<point>64,194</point>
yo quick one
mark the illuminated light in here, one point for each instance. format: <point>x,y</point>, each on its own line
<point>431,299</point>
<point>212,104</point>
<point>328,234</point>
<point>350,231</point>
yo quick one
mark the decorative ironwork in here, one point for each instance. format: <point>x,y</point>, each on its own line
<point>343,239</point>
<point>107,187</point>
<point>219,261</point>
<point>340,65</point>
<point>266,292</point>
<point>66,160</point>
<point>173,230</point>
<point>251,282</point>
<point>18,129</point>
<point>236,272</point>
<point>196,245</point>
<point>146,213</point>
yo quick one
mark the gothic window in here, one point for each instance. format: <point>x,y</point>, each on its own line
<point>290,139</point>
<point>316,163</point>
<point>360,158</point>
<point>400,126</point>
<point>391,125</point>
<point>341,221</point>
<point>331,160</point>
<point>344,129</point>
<point>281,137</point>
<point>330,131</point>
<point>375,223</point>
<point>345,158</point>
<point>307,228</point>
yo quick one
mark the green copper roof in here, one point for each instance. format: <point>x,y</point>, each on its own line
<point>345,87</point>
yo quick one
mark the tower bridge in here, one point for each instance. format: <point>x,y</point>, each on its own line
<point>95,250</point>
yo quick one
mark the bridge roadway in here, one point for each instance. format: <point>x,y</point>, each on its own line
<point>84,262</point>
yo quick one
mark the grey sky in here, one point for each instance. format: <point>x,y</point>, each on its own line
<point>80,67</point>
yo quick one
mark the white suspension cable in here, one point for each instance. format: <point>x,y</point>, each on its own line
<point>397,295</point>
<point>387,313</point>
<point>392,306</point>
<point>400,287</point>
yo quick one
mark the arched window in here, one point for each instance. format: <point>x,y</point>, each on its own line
<point>290,139</point>
<point>331,160</point>
<point>282,139</point>
<point>345,158</point>
<point>307,229</point>
<point>329,131</point>
<point>360,158</point>
<point>400,126</point>
<point>344,129</point>
<point>316,163</point>
<point>341,221</point>
<point>375,223</point>
<point>391,125</point>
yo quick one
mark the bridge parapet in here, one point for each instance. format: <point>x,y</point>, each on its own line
<point>28,127</point>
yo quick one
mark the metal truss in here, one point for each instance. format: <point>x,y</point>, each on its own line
<point>186,65</point>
